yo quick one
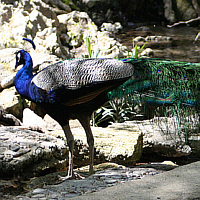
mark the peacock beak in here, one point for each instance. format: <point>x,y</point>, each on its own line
<point>16,65</point>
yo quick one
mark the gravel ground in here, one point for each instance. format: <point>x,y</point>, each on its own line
<point>46,189</point>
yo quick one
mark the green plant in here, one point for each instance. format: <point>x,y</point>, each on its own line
<point>136,49</point>
<point>88,44</point>
<point>91,53</point>
<point>115,111</point>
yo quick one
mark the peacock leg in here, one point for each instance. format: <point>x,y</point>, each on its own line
<point>70,142</point>
<point>85,122</point>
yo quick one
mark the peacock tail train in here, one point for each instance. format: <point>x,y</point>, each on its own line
<point>162,82</point>
<point>166,89</point>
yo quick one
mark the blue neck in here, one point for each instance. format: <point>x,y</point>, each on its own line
<point>24,76</point>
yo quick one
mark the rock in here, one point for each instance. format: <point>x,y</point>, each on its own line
<point>39,190</point>
<point>8,54</point>
<point>42,60</point>
<point>112,28</point>
<point>51,124</point>
<point>168,11</point>
<point>109,47</point>
<point>6,67</point>
<point>10,102</point>
<point>22,149</point>
<point>102,11</point>
<point>143,28</point>
<point>55,35</point>
<point>122,11</point>
<point>139,39</point>
<point>185,10</point>
<point>23,146</point>
<point>7,82</point>
<point>90,3</point>
<point>13,33</point>
<point>181,10</point>
<point>110,143</point>
<point>168,163</point>
<point>111,175</point>
<point>147,52</point>
<point>157,38</point>
<point>31,119</point>
<point>194,142</point>
<point>59,4</point>
<point>8,119</point>
<point>5,13</point>
<point>80,26</point>
<point>161,139</point>
<point>34,19</point>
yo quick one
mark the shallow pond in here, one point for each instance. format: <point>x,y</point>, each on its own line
<point>181,46</point>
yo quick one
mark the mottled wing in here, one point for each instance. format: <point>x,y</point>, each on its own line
<point>77,73</point>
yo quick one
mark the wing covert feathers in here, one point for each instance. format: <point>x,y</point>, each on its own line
<point>77,73</point>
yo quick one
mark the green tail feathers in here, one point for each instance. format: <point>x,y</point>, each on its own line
<point>161,82</point>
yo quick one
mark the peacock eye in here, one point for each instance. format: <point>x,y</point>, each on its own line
<point>18,57</point>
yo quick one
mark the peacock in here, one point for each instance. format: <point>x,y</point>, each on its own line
<point>75,88</point>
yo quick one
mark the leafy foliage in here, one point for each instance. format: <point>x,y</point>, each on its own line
<point>91,53</point>
<point>136,49</point>
<point>115,111</point>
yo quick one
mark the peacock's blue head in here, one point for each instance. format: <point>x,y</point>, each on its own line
<point>20,58</point>
<point>23,56</point>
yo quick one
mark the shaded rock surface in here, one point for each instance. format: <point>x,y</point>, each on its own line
<point>8,119</point>
<point>180,10</point>
<point>26,151</point>
<point>94,183</point>
<point>162,137</point>
<point>107,175</point>
<point>121,143</point>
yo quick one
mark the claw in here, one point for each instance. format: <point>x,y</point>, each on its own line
<point>76,176</point>
<point>64,178</point>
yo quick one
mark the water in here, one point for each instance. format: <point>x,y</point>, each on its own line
<point>181,47</point>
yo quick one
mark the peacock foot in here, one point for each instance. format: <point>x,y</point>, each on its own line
<point>75,175</point>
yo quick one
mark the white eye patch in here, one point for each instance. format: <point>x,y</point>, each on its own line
<point>18,57</point>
